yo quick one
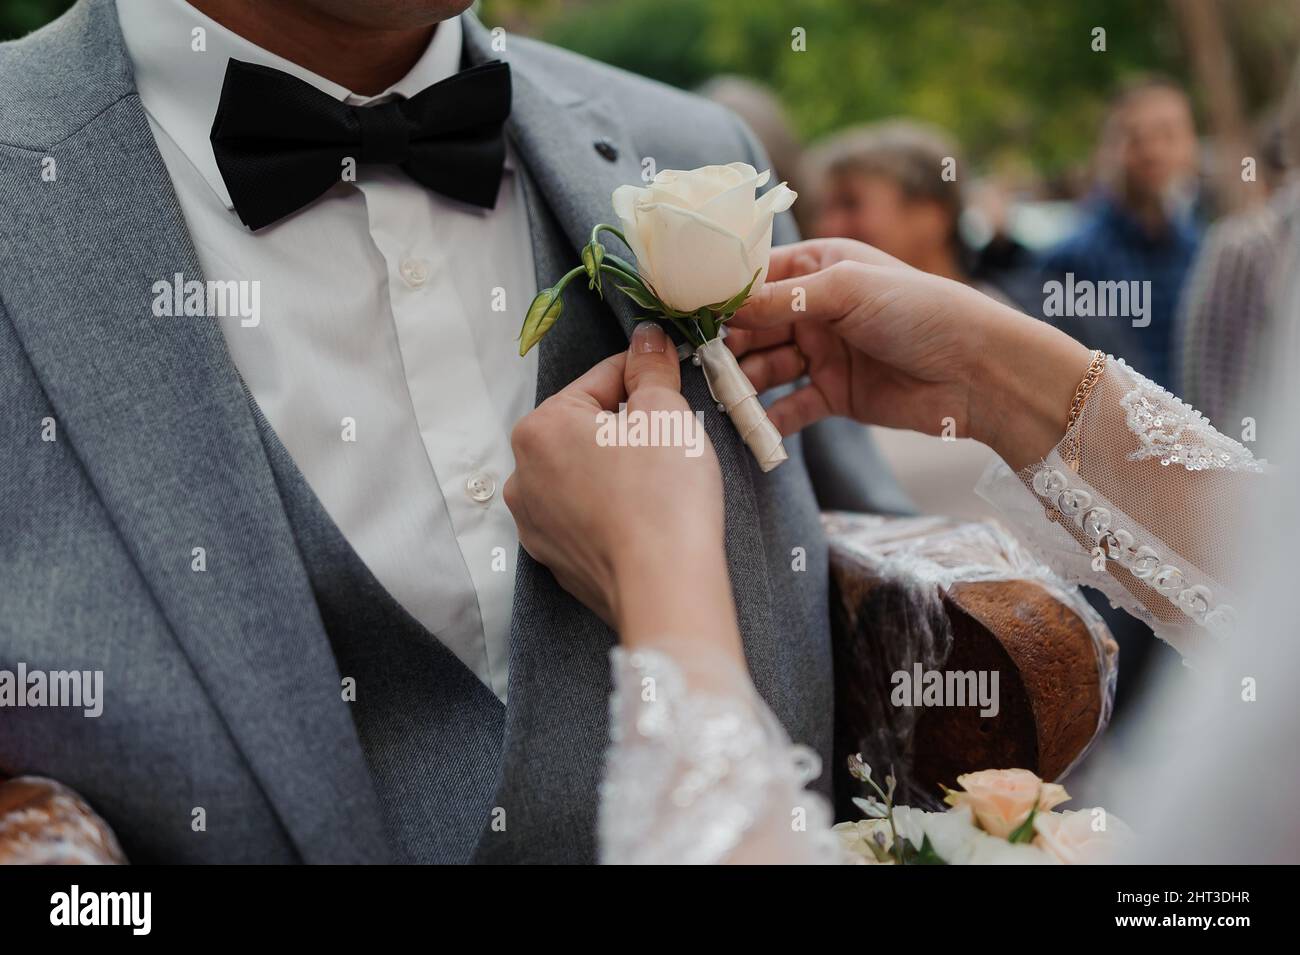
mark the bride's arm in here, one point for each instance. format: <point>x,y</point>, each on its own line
<point>699,771</point>
<point>1138,495</point>
<point>1141,498</point>
<point>1114,482</point>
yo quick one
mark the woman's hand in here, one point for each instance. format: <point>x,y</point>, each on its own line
<point>635,533</point>
<point>887,344</point>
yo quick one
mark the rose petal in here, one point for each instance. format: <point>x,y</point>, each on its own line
<point>758,242</point>
<point>776,200</point>
<point>733,208</point>
<point>696,261</point>
<point>691,190</point>
<point>626,199</point>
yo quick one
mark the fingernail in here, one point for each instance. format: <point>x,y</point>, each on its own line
<point>649,338</point>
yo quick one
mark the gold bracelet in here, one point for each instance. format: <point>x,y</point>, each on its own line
<point>1090,379</point>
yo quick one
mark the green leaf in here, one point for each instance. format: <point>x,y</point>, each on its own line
<point>686,332</point>
<point>1024,832</point>
<point>621,274</point>
<point>641,297</point>
<point>732,305</point>
<point>542,314</point>
<point>593,253</point>
<point>622,263</point>
<point>926,854</point>
<point>708,324</point>
<point>908,854</point>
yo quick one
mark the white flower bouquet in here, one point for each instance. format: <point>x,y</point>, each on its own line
<point>998,817</point>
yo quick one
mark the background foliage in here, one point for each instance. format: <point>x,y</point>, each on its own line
<point>1015,80</point>
<point>22,16</point>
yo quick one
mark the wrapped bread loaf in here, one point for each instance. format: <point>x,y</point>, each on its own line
<point>43,822</point>
<point>923,596</point>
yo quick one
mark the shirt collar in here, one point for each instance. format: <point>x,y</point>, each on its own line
<point>180,87</point>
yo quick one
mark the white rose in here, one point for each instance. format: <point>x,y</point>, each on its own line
<point>1084,837</point>
<point>700,235</point>
<point>957,840</point>
<point>859,837</point>
<point>990,850</point>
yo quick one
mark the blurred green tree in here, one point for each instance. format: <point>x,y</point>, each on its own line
<point>19,17</point>
<point>1014,79</point>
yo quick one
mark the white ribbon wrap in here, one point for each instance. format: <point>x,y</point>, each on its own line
<point>734,392</point>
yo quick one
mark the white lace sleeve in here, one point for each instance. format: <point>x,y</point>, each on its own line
<point>1140,500</point>
<point>700,771</point>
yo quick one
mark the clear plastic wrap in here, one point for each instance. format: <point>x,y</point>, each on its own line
<point>942,595</point>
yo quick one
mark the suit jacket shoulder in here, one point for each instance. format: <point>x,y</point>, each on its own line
<point>56,80</point>
<point>675,128</point>
<point>660,111</point>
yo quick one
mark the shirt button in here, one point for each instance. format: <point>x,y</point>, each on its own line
<point>415,272</point>
<point>481,486</point>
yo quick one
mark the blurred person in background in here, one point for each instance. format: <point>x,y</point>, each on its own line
<point>1140,224</point>
<point>999,258</point>
<point>896,185</point>
<point>1228,316</point>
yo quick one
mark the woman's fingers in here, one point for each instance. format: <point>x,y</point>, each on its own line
<point>601,386</point>
<point>798,258</point>
<point>651,364</point>
<point>797,410</point>
<point>772,367</point>
<point>742,341</point>
<point>813,255</point>
<point>825,295</point>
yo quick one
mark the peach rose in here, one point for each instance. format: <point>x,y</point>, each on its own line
<point>1002,799</point>
<point>1085,837</point>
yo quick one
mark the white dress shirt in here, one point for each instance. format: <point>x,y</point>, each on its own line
<point>384,352</point>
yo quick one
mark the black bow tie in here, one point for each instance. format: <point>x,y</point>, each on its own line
<point>280,142</point>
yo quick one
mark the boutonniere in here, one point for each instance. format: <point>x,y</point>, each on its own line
<point>701,239</point>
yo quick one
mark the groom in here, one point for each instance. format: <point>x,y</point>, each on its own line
<point>261,270</point>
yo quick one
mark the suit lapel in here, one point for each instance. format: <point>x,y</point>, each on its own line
<point>556,721</point>
<point>158,418</point>
<point>556,133</point>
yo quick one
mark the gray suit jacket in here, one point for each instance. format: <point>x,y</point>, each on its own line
<point>221,691</point>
